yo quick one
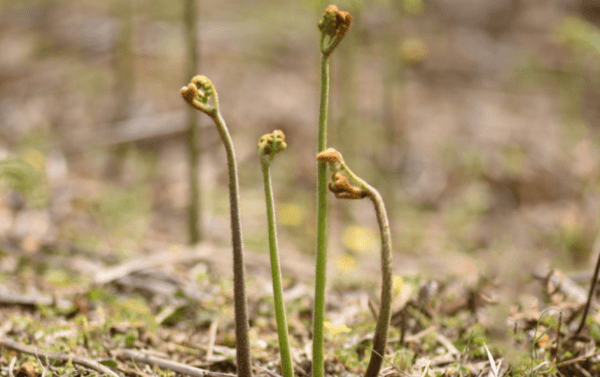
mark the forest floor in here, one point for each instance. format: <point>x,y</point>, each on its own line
<point>489,185</point>
<point>148,308</point>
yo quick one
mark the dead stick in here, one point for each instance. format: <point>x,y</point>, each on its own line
<point>592,287</point>
<point>578,359</point>
<point>138,356</point>
<point>563,283</point>
<point>10,298</point>
<point>88,363</point>
<point>152,261</point>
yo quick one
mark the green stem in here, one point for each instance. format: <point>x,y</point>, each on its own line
<point>333,26</point>
<point>321,257</point>
<point>282,328</point>
<point>239,280</point>
<point>194,226</point>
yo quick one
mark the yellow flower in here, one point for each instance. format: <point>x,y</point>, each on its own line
<point>398,284</point>
<point>346,263</point>
<point>336,329</point>
<point>359,238</point>
<point>290,214</point>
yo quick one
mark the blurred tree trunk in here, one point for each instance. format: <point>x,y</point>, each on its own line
<point>392,82</point>
<point>345,127</point>
<point>344,130</point>
<point>194,215</point>
<point>124,80</point>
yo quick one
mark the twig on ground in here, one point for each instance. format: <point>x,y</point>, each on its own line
<point>582,371</point>
<point>392,366</point>
<point>417,336</point>
<point>9,298</point>
<point>590,297</point>
<point>11,366</point>
<point>7,343</point>
<point>138,356</point>
<point>556,349</point>
<point>212,337</point>
<point>267,371</point>
<point>294,264</point>
<point>563,283</point>
<point>446,343</point>
<point>152,261</point>
<point>578,359</point>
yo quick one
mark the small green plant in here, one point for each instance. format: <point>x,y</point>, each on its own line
<point>346,185</point>
<point>268,146</point>
<point>333,26</point>
<point>202,95</point>
<point>23,177</point>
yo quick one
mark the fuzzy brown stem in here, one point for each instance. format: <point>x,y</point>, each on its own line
<point>385,311</point>
<point>592,289</point>
<point>343,189</point>
<point>239,284</point>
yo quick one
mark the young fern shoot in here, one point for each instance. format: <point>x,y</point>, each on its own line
<point>346,185</point>
<point>268,146</point>
<point>202,95</point>
<point>333,26</point>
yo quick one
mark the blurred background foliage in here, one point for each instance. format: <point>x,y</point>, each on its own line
<point>476,119</point>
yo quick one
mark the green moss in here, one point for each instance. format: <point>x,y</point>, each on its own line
<point>573,241</point>
<point>594,328</point>
<point>414,223</point>
<point>100,294</point>
<point>125,212</point>
<point>470,161</point>
<point>348,357</point>
<point>464,211</point>
<point>404,358</point>
<point>130,338</point>
<point>58,277</point>
<point>513,159</point>
<point>26,175</point>
<point>475,336</point>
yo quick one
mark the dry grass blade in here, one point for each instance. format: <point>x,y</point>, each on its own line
<point>578,359</point>
<point>167,364</point>
<point>11,367</point>
<point>563,283</point>
<point>88,363</point>
<point>156,260</point>
<point>273,374</point>
<point>425,370</point>
<point>495,369</point>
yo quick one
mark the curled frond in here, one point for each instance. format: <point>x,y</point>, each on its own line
<point>270,144</point>
<point>204,85</point>
<point>335,22</point>
<point>342,188</point>
<point>330,155</point>
<point>198,93</point>
<point>189,92</point>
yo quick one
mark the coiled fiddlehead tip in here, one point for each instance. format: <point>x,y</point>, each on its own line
<point>335,22</point>
<point>198,93</point>
<point>330,155</point>
<point>270,144</point>
<point>188,93</point>
<point>206,89</point>
<point>342,188</point>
